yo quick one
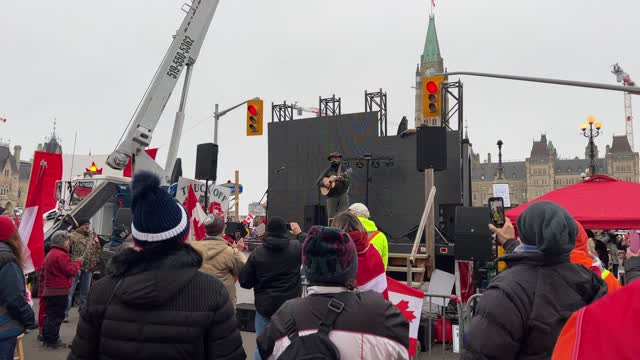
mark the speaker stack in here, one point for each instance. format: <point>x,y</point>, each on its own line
<point>431,147</point>
<point>207,162</point>
<point>473,238</point>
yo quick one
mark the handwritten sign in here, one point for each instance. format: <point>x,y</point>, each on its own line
<point>217,194</point>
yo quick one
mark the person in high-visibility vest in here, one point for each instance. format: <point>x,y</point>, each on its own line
<point>376,237</point>
<point>580,255</point>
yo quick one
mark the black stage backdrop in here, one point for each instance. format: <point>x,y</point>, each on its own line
<point>396,193</point>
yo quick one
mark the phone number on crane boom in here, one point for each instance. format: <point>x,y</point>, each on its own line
<point>180,58</point>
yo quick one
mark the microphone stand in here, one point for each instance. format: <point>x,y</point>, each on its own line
<point>276,172</point>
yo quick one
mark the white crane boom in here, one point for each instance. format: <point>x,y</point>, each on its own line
<point>625,79</point>
<point>183,50</point>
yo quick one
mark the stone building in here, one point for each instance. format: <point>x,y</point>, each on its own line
<point>10,166</point>
<point>543,171</point>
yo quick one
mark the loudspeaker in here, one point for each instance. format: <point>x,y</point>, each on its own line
<point>431,148</point>
<point>207,161</point>
<point>315,215</point>
<point>473,238</point>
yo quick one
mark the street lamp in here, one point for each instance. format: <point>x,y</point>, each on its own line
<point>591,130</point>
<point>500,168</point>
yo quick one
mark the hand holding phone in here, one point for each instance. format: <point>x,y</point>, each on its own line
<point>496,208</point>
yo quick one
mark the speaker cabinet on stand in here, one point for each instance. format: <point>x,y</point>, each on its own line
<point>207,167</point>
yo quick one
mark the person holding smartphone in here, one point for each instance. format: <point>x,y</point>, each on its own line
<point>523,310</point>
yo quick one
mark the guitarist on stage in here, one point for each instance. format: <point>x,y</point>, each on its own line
<point>338,197</point>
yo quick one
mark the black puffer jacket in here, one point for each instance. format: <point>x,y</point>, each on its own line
<point>273,271</point>
<point>523,310</point>
<point>164,308</point>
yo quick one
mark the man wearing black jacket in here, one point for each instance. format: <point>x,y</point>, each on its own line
<point>273,271</point>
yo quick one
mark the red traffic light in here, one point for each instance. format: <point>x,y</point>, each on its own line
<point>252,110</point>
<point>432,87</point>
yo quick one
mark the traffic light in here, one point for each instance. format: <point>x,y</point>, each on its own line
<point>254,117</point>
<point>432,100</point>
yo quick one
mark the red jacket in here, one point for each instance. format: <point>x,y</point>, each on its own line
<point>58,272</point>
<point>587,334</point>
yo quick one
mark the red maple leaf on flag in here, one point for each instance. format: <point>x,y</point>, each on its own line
<point>403,306</point>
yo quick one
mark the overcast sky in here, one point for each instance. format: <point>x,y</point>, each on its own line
<point>87,63</point>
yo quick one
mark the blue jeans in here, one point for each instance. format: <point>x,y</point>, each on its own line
<point>84,279</point>
<point>261,324</point>
<point>8,348</point>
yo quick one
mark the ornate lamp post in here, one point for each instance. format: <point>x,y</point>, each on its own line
<point>591,130</point>
<point>500,168</point>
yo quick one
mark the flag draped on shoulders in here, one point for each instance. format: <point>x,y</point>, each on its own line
<point>196,215</point>
<point>46,171</point>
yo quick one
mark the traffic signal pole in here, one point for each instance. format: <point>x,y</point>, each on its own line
<point>629,89</point>
<point>218,114</point>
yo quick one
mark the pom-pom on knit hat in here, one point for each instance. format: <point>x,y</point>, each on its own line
<point>157,217</point>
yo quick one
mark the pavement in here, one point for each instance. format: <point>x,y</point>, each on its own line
<point>34,351</point>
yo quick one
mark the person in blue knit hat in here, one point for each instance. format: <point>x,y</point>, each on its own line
<point>154,303</point>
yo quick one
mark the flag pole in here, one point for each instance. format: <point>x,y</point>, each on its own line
<point>73,156</point>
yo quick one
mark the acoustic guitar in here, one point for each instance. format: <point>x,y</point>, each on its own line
<point>328,183</point>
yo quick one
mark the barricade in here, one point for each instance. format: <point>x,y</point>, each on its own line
<point>443,313</point>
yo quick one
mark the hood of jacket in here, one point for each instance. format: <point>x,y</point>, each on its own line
<point>361,240</point>
<point>369,225</point>
<point>6,254</point>
<point>152,279</point>
<point>210,246</point>
<point>548,227</point>
<point>276,242</point>
<point>580,253</point>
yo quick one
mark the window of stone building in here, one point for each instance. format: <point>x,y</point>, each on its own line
<point>6,172</point>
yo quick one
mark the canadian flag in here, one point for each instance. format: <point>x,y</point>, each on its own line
<point>409,301</point>
<point>196,215</point>
<point>46,170</point>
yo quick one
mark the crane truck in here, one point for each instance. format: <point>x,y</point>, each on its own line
<point>106,199</point>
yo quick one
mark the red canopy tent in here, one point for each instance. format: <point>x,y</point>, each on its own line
<point>601,202</point>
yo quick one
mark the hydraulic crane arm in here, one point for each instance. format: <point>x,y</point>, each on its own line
<point>183,50</point>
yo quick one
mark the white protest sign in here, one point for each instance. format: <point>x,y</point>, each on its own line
<point>217,194</point>
<point>502,190</point>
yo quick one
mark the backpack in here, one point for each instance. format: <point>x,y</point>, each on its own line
<point>315,346</point>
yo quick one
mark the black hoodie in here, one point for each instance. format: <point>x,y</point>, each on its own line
<point>163,308</point>
<point>273,271</point>
<point>523,310</point>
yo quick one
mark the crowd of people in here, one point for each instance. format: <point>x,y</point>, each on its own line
<point>163,297</point>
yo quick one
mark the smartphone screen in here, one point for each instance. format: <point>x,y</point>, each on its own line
<point>237,235</point>
<point>496,207</point>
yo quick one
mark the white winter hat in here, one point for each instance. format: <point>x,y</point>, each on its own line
<point>359,210</point>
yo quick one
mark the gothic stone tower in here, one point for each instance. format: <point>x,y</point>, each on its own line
<point>430,63</point>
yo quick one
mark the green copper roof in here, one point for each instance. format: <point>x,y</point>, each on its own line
<point>431,51</point>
